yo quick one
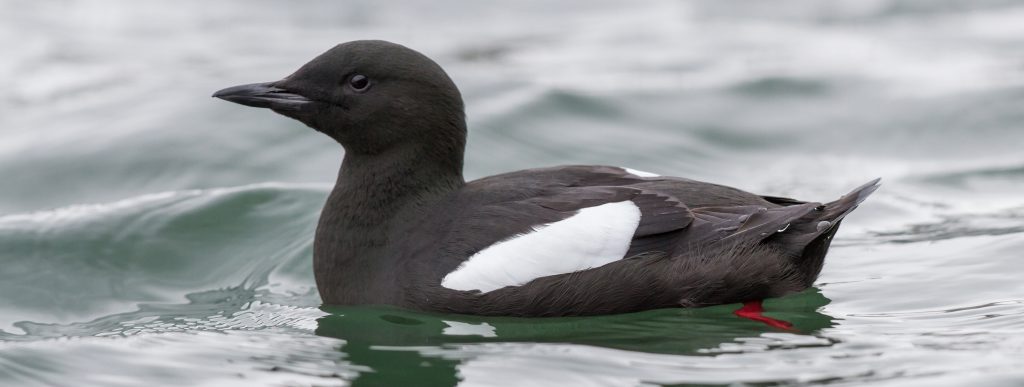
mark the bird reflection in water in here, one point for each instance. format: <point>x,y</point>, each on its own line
<point>390,342</point>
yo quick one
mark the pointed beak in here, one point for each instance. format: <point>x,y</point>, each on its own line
<point>265,95</point>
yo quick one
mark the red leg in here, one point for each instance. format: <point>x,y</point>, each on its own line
<point>752,310</point>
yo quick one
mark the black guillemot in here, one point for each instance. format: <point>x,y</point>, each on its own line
<point>402,227</point>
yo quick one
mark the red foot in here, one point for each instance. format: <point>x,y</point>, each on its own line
<point>752,310</point>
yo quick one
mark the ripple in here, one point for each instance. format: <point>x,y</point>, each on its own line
<point>780,87</point>
<point>1011,173</point>
<point>196,358</point>
<point>148,202</point>
<point>1004,222</point>
<point>219,310</point>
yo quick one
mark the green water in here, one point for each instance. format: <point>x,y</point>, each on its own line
<point>151,235</point>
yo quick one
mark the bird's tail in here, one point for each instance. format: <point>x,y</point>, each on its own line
<point>821,227</point>
<point>836,210</point>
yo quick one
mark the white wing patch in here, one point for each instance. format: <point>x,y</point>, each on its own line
<point>595,236</point>
<point>635,172</point>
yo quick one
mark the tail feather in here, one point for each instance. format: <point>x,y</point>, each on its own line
<point>815,235</point>
<point>836,210</point>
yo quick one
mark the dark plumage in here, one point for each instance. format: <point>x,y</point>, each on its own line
<point>401,218</point>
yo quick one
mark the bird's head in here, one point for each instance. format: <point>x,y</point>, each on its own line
<point>371,96</point>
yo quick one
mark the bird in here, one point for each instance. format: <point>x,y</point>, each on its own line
<point>403,228</point>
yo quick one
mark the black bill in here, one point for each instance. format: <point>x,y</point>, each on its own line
<point>264,95</point>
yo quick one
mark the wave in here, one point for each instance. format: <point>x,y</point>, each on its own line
<point>83,261</point>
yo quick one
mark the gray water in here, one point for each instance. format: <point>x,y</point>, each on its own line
<point>151,235</point>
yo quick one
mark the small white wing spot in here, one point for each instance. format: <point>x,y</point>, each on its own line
<point>593,237</point>
<point>635,172</point>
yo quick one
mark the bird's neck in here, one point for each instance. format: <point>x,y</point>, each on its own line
<point>371,193</point>
<point>393,179</point>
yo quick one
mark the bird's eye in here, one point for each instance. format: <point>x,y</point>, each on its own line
<point>359,82</point>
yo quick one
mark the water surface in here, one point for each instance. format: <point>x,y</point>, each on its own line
<point>151,235</point>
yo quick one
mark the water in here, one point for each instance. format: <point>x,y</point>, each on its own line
<point>151,235</point>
